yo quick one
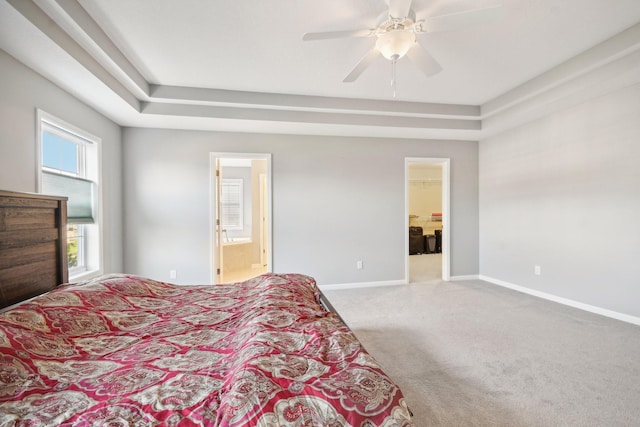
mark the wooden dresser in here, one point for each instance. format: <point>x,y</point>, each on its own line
<point>33,245</point>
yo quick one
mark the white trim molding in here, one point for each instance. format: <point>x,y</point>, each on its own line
<point>565,301</point>
<point>360,285</point>
<point>467,277</point>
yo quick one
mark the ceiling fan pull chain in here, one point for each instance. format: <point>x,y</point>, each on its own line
<point>393,76</point>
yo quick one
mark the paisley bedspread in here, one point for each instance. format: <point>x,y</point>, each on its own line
<point>125,350</point>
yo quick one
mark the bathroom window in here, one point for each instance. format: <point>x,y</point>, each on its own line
<point>232,206</point>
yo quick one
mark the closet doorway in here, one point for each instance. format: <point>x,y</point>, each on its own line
<point>427,190</point>
<point>240,216</point>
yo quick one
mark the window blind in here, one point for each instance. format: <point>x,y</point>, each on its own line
<point>232,203</point>
<point>80,192</point>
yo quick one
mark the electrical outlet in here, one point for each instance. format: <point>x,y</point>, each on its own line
<point>173,274</point>
<point>536,270</point>
<point>359,265</point>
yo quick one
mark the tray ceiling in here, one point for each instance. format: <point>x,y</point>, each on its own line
<point>242,65</point>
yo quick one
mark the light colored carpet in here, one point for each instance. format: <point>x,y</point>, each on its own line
<point>474,354</point>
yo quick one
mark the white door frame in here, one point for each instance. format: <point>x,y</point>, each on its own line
<point>212,206</point>
<point>446,229</point>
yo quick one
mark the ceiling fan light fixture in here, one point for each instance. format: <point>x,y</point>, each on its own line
<point>395,44</point>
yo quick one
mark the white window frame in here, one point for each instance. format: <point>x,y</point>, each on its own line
<point>90,161</point>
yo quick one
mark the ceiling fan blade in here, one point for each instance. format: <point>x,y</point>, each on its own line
<point>423,59</point>
<point>338,34</point>
<point>362,65</point>
<point>399,8</point>
<point>464,20</point>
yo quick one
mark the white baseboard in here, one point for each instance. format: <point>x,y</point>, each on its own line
<point>467,277</point>
<point>576,304</point>
<point>340,286</point>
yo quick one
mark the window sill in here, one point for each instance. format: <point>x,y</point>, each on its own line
<point>85,275</point>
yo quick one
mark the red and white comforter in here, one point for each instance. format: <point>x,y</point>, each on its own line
<point>125,350</point>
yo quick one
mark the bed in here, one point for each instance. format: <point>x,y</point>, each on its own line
<point>128,350</point>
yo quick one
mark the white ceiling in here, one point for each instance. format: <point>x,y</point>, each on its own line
<point>256,46</point>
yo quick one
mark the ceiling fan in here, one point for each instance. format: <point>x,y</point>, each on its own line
<point>396,35</point>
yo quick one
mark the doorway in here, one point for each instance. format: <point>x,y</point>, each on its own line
<point>240,216</point>
<point>427,194</point>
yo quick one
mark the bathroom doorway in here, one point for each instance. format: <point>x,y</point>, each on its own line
<point>240,216</point>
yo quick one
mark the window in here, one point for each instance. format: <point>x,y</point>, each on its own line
<point>232,207</point>
<point>70,167</point>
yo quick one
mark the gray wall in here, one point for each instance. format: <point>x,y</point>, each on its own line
<point>335,200</point>
<point>563,192</point>
<point>22,92</point>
